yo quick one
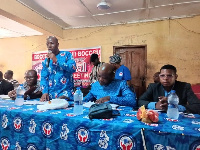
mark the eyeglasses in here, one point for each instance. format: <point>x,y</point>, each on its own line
<point>166,75</point>
<point>29,78</point>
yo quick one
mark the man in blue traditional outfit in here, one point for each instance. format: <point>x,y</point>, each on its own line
<point>121,71</point>
<point>108,89</point>
<point>57,72</point>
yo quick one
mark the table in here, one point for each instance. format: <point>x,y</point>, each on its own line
<point>25,127</point>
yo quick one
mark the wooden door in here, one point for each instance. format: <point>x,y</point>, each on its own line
<point>135,58</point>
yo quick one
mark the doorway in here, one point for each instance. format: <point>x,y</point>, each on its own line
<point>135,58</point>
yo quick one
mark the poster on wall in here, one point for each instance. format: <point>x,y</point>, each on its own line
<point>82,59</point>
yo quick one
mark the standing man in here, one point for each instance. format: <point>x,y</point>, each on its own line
<point>5,86</point>
<point>157,94</point>
<point>121,71</point>
<point>9,77</point>
<point>57,72</point>
<point>94,59</point>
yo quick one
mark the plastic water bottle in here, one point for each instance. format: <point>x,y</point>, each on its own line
<point>78,102</point>
<point>173,100</point>
<point>20,95</point>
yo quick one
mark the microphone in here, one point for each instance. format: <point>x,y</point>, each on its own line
<point>48,60</point>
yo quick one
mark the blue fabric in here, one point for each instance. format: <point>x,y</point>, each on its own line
<point>57,79</point>
<point>25,127</point>
<point>123,73</point>
<point>118,91</point>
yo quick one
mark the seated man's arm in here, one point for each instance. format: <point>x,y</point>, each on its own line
<point>127,98</point>
<point>9,88</point>
<point>89,96</point>
<point>146,98</point>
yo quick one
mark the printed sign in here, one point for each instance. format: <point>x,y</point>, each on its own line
<point>82,59</point>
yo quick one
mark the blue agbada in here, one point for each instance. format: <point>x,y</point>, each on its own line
<point>57,79</point>
<point>118,91</point>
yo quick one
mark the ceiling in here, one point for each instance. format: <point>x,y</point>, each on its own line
<point>84,13</point>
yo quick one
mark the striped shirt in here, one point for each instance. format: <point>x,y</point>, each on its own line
<point>94,73</point>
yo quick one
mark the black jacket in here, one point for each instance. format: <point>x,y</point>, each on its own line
<point>5,87</point>
<point>184,91</point>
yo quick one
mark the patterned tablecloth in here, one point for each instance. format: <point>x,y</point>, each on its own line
<point>25,127</point>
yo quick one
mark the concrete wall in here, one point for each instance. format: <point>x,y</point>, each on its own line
<point>171,41</point>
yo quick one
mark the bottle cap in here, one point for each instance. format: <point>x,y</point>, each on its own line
<point>173,91</point>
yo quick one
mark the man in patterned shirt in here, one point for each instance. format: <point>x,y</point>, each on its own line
<point>9,77</point>
<point>57,73</point>
<point>31,86</point>
<point>108,89</point>
<point>94,60</point>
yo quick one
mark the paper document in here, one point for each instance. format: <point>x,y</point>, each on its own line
<point>88,104</point>
<point>5,97</point>
<point>34,103</point>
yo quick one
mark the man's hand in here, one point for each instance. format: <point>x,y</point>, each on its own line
<point>103,100</point>
<point>52,57</point>
<point>45,97</point>
<point>12,94</point>
<point>162,103</point>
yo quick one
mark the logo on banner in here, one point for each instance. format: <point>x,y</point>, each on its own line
<point>64,132</point>
<point>31,147</point>
<point>125,142</point>
<point>17,123</point>
<point>4,122</point>
<point>32,126</point>
<point>82,135</point>
<point>5,144</point>
<point>47,129</point>
<point>17,146</point>
<point>103,141</point>
<point>195,145</point>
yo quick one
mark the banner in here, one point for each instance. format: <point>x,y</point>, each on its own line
<point>82,59</point>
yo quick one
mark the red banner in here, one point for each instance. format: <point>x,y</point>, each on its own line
<point>82,59</point>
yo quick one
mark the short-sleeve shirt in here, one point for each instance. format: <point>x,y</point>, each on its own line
<point>123,73</point>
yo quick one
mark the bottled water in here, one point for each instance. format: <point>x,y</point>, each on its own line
<point>78,102</point>
<point>173,100</point>
<point>20,95</point>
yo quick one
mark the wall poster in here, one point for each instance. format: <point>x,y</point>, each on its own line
<point>82,59</point>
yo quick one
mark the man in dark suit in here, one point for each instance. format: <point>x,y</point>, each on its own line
<point>5,86</point>
<point>156,95</point>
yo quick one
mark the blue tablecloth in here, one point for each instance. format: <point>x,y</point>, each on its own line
<point>27,128</point>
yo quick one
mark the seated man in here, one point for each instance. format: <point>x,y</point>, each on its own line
<point>9,77</point>
<point>5,86</point>
<point>156,77</point>
<point>31,85</point>
<point>109,89</point>
<point>156,95</point>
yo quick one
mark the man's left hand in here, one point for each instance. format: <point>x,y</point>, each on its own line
<point>103,100</point>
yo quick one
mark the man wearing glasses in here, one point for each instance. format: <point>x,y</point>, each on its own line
<point>31,86</point>
<point>156,95</point>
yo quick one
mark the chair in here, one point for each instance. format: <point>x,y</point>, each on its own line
<point>196,90</point>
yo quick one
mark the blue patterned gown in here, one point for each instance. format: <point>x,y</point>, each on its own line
<point>118,91</point>
<point>57,79</point>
